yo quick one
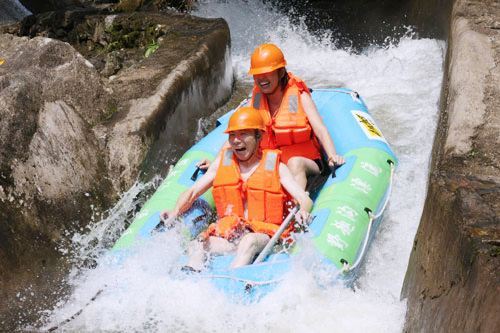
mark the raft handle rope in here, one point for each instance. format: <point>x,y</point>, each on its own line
<point>354,94</point>
<point>195,174</point>
<point>345,264</point>
<point>246,281</point>
<point>79,312</point>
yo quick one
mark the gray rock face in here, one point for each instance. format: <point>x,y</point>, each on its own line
<point>63,157</point>
<point>453,276</point>
<point>153,91</point>
<point>48,146</point>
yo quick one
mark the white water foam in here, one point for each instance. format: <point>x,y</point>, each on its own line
<point>401,85</point>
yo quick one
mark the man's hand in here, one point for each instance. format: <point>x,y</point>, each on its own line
<point>203,164</point>
<point>168,217</point>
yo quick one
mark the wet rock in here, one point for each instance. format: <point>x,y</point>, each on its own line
<point>63,156</point>
<point>140,54</point>
<point>129,5</point>
<point>453,278</point>
<point>72,138</point>
<point>159,5</point>
<point>37,6</point>
<point>114,61</point>
<point>49,157</point>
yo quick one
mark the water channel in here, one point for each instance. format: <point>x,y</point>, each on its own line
<point>400,82</point>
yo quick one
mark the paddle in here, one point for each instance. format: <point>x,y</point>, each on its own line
<point>267,249</point>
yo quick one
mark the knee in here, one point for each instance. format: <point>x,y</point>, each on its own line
<point>195,246</point>
<point>248,242</point>
<point>295,165</point>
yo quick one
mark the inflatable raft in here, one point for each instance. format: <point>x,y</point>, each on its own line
<point>347,208</point>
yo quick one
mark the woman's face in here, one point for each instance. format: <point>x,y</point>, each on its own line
<point>267,82</point>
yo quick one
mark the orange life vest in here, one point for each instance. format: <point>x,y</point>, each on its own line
<point>265,198</point>
<point>289,130</point>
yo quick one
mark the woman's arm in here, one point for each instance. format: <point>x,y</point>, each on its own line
<point>294,189</point>
<point>320,129</point>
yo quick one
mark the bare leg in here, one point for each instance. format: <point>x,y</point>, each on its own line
<point>301,167</point>
<point>249,246</point>
<point>220,246</point>
<point>197,253</point>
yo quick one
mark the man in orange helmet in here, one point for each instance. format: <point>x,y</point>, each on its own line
<point>249,192</point>
<point>293,123</point>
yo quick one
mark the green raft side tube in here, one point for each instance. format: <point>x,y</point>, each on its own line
<point>347,203</point>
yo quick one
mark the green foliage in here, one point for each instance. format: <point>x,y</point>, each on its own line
<point>472,153</point>
<point>151,48</point>
<point>495,251</point>
<point>133,34</point>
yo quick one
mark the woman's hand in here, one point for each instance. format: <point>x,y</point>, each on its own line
<point>334,160</point>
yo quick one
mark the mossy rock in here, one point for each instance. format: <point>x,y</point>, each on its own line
<point>129,5</point>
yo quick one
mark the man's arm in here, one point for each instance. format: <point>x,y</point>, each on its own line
<point>187,197</point>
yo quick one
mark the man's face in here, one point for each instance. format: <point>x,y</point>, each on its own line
<point>267,82</point>
<point>244,143</point>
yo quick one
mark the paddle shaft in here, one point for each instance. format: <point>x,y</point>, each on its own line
<point>267,249</point>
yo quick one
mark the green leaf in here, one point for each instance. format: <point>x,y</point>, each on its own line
<point>151,49</point>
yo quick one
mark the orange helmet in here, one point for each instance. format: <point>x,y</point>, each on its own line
<point>246,117</point>
<point>266,58</point>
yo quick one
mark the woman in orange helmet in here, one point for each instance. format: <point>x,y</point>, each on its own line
<point>249,189</point>
<point>292,121</point>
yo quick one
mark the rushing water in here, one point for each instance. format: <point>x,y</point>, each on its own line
<point>400,84</point>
